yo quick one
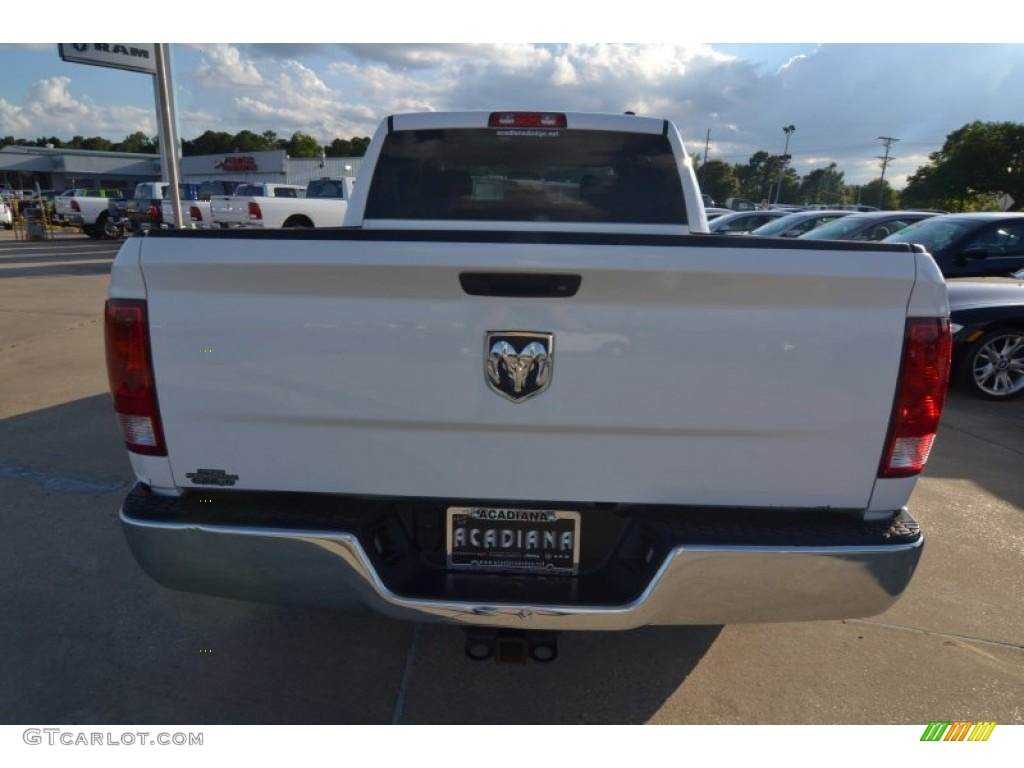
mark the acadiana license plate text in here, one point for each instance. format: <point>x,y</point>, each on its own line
<point>513,539</point>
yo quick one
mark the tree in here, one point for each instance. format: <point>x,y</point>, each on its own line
<point>718,180</point>
<point>136,142</point>
<point>790,191</point>
<point>354,147</point>
<point>978,163</point>
<point>890,197</point>
<point>247,141</point>
<point>823,186</point>
<point>757,179</point>
<point>303,145</point>
<point>209,143</point>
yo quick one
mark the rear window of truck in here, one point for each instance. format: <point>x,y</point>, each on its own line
<point>539,175</point>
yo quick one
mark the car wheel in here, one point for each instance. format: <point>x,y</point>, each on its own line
<point>993,368</point>
<point>108,229</point>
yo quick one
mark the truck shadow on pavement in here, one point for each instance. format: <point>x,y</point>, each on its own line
<point>599,677</point>
<point>982,442</point>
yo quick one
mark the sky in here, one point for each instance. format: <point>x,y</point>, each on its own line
<point>841,96</point>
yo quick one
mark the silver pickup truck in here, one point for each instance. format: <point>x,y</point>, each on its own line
<point>523,391</point>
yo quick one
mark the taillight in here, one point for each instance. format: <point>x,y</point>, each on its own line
<point>254,210</point>
<point>130,370</point>
<point>526,120</point>
<point>154,212</point>
<point>194,213</point>
<point>920,394</point>
<point>75,206</point>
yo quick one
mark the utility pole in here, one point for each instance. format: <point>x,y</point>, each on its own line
<point>704,160</point>
<point>169,146</point>
<point>888,141</point>
<point>788,130</point>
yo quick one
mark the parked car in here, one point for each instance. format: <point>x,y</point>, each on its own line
<point>988,335</point>
<point>741,204</point>
<point>742,222</point>
<point>714,213</point>
<point>6,218</point>
<point>796,224</point>
<point>876,225</point>
<point>970,244</point>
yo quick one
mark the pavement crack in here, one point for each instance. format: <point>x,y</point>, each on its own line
<point>947,635</point>
<point>410,658</point>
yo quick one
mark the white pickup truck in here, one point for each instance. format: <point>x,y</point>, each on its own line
<point>196,202</point>
<point>321,203</point>
<point>88,209</point>
<point>385,416</point>
<point>229,211</point>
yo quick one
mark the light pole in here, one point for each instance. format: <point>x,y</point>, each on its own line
<point>788,130</point>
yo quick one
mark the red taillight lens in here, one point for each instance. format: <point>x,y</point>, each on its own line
<point>924,378</point>
<point>154,212</point>
<point>254,210</point>
<point>75,206</point>
<point>130,370</point>
<point>194,213</point>
<point>526,120</point>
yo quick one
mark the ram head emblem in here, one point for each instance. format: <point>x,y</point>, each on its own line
<point>518,364</point>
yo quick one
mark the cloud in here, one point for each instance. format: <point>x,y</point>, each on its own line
<point>840,97</point>
<point>223,66</point>
<point>51,110</point>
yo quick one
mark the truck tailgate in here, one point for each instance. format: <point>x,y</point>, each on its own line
<point>684,372</point>
<point>230,210</point>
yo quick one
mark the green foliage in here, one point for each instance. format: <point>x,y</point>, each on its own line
<point>209,143</point>
<point>137,142</point>
<point>977,164</point>
<point>823,186</point>
<point>757,179</point>
<point>303,145</point>
<point>880,194</point>
<point>718,179</point>
<point>355,147</point>
<point>247,141</point>
<point>95,143</point>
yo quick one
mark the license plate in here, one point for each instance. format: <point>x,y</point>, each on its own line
<point>500,539</point>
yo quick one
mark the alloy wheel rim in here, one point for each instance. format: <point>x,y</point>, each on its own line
<point>999,365</point>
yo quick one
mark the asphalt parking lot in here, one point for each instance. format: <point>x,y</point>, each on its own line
<point>87,638</point>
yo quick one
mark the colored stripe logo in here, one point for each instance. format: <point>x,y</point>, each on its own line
<point>958,730</point>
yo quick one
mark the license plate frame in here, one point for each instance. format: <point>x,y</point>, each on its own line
<point>510,548</point>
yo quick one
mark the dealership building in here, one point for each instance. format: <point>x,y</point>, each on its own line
<point>52,168</point>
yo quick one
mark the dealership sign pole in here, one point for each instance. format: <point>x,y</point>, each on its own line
<point>152,59</point>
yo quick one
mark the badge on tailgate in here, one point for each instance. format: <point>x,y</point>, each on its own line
<point>499,539</point>
<point>518,364</point>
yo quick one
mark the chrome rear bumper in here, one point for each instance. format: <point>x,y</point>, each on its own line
<point>692,584</point>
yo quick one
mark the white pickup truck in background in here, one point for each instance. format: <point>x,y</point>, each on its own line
<point>196,202</point>
<point>229,211</point>
<point>88,209</point>
<point>322,203</point>
<point>385,416</point>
